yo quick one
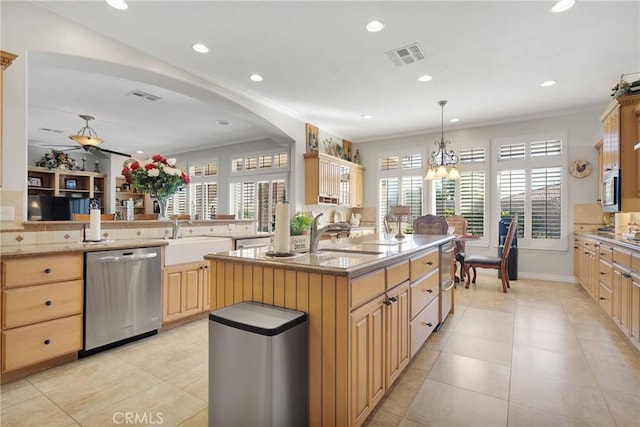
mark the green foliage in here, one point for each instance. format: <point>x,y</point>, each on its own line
<point>300,223</point>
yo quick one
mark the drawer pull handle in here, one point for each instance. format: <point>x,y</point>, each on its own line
<point>626,275</point>
<point>602,298</point>
<point>47,270</point>
<point>429,324</point>
<point>47,342</point>
<point>429,262</point>
<point>48,302</point>
<point>602,273</point>
<point>430,290</point>
<point>388,302</point>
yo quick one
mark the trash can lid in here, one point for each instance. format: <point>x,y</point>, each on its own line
<point>258,318</point>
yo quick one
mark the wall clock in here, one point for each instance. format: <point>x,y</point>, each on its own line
<point>580,168</point>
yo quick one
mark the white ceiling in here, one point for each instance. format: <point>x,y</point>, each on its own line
<point>487,58</point>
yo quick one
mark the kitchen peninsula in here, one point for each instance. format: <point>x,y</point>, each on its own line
<point>370,306</point>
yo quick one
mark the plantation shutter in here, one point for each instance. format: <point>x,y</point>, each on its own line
<point>546,206</point>
<point>472,199</point>
<point>445,200</point>
<point>511,185</point>
<point>412,195</point>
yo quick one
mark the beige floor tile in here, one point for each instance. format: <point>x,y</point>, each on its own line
<point>408,423</point>
<point>35,412</point>
<point>571,367</point>
<point>456,407</point>
<point>201,419</point>
<point>472,374</point>
<point>616,377</point>
<point>625,407</point>
<point>162,404</point>
<point>547,341</point>
<point>399,397</point>
<point>619,353</point>
<point>486,329</point>
<point>490,315</point>
<point>479,348</point>
<point>382,418</point>
<point>543,322</point>
<point>525,416</point>
<point>560,397</point>
<point>17,392</point>
<point>92,384</point>
<point>424,360</point>
<point>194,381</point>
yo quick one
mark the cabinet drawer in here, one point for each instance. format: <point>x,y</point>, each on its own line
<point>421,265</point>
<point>604,298</point>
<point>33,304</point>
<point>397,274</point>
<point>606,253</point>
<point>605,273</point>
<point>422,326</point>
<point>622,258</point>
<point>423,291</point>
<point>35,343</point>
<point>367,287</point>
<point>35,271</point>
<point>635,262</point>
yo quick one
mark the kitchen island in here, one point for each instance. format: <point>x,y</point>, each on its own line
<point>370,307</point>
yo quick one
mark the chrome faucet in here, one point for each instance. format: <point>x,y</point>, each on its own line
<point>175,226</point>
<point>317,233</point>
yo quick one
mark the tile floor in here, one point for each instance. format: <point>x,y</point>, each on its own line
<point>542,355</point>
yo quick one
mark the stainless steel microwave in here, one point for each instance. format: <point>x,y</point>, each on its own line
<point>611,200</point>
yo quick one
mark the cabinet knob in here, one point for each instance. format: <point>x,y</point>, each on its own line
<point>429,262</point>
<point>206,266</point>
<point>47,342</point>
<point>393,299</point>
<point>48,302</point>
<point>429,324</point>
<point>388,302</point>
<point>47,270</point>
<point>626,275</point>
<point>430,290</point>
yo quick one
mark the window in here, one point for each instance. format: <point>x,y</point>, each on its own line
<point>262,161</point>
<point>531,184</point>
<point>472,203</point>
<point>401,183</point>
<point>200,198</point>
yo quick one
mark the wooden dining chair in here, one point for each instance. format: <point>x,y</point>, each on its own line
<point>496,263</point>
<point>430,224</point>
<point>87,217</point>
<point>459,225</point>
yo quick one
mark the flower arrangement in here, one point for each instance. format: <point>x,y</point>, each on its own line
<point>57,160</point>
<point>157,176</point>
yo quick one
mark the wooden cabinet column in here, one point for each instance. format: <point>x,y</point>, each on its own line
<point>7,59</point>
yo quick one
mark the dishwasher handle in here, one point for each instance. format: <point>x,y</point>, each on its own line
<point>131,257</point>
<point>255,245</point>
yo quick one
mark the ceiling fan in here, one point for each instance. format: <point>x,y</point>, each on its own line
<point>88,140</point>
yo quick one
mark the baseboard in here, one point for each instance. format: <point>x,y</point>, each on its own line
<point>534,276</point>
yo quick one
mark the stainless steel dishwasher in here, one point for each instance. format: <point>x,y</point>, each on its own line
<point>123,295</point>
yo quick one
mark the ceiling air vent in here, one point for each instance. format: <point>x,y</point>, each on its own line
<point>51,130</point>
<point>405,55</point>
<point>143,95</point>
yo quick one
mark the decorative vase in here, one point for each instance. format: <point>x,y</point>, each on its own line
<point>163,204</point>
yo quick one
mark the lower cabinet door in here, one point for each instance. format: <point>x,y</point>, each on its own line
<point>367,359</point>
<point>397,332</point>
<point>35,343</point>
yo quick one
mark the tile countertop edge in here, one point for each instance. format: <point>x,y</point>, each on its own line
<point>357,266</point>
<point>614,240</point>
<point>77,247</point>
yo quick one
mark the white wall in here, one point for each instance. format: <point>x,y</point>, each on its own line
<point>26,27</point>
<point>583,130</point>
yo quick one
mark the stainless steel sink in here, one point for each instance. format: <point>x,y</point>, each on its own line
<point>193,249</point>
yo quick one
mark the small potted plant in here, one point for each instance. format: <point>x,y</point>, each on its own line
<point>299,226</point>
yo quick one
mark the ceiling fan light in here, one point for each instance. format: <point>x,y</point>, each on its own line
<point>86,140</point>
<point>431,174</point>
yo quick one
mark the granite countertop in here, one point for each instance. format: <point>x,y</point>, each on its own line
<point>77,247</point>
<point>613,238</point>
<point>358,258</point>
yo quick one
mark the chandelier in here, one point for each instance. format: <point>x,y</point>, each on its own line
<point>86,135</point>
<point>442,162</point>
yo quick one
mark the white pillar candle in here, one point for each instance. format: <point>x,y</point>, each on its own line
<point>94,226</point>
<point>281,233</point>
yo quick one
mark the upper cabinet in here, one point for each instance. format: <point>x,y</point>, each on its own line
<point>7,59</point>
<point>620,126</point>
<point>330,180</point>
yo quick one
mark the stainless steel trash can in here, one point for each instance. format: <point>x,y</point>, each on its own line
<point>258,369</point>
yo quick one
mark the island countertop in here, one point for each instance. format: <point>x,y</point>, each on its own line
<point>340,257</point>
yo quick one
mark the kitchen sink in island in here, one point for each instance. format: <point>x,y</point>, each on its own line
<point>370,307</point>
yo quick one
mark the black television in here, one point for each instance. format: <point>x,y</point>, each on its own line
<point>56,208</point>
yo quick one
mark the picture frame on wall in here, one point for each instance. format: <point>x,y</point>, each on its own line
<point>71,184</point>
<point>312,133</point>
<point>34,181</point>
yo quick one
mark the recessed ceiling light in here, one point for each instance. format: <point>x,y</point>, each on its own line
<point>367,116</point>
<point>255,77</point>
<point>562,5</point>
<point>425,78</point>
<point>200,48</point>
<point>548,83</point>
<point>139,152</point>
<point>374,26</point>
<point>118,4</point>
<point>454,120</point>
<point>222,122</point>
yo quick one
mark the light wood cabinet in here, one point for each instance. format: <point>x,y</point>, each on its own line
<point>620,134</point>
<point>330,180</point>
<point>183,291</point>
<point>42,302</point>
<point>637,148</point>
<point>124,192</point>
<point>66,183</point>
<point>634,305</point>
<point>6,58</point>
<point>621,289</point>
<point>599,149</point>
<point>397,332</point>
